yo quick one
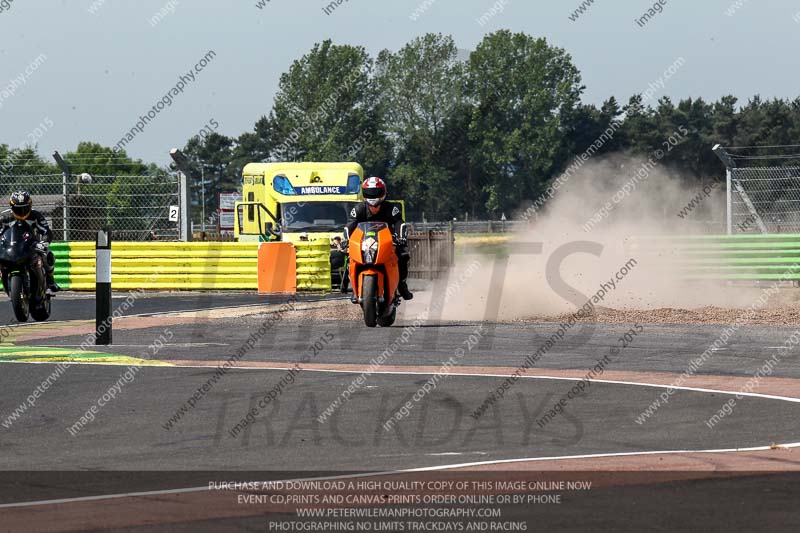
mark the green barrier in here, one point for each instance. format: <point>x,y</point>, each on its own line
<point>725,257</point>
<point>62,270</point>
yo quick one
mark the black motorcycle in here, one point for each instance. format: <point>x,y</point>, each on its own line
<point>23,275</point>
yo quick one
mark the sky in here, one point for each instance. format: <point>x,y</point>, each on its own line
<point>87,70</point>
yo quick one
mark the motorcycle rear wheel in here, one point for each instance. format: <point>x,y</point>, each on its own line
<point>369,294</point>
<point>19,300</point>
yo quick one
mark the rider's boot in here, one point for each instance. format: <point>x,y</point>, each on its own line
<point>402,288</point>
<point>52,286</point>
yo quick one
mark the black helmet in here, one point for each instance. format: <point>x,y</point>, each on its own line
<point>21,204</point>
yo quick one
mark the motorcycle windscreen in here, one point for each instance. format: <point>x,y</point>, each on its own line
<point>16,243</point>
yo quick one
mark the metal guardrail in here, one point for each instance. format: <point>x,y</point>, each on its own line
<point>313,265</point>
<point>184,266</point>
<point>161,265</point>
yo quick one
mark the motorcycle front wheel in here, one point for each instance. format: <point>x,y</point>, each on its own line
<point>386,321</point>
<point>42,313</point>
<point>19,300</point>
<point>369,294</point>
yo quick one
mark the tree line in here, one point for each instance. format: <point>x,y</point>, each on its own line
<point>456,135</point>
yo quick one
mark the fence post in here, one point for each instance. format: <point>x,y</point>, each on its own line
<point>103,288</point>
<point>432,263</point>
<point>729,199</point>
<point>183,201</point>
<point>66,175</point>
<point>730,166</point>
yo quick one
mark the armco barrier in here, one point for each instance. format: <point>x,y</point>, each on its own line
<point>313,265</point>
<point>61,252</point>
<point>161,265</point>
<point>725,257</point>
<point>185,265</point>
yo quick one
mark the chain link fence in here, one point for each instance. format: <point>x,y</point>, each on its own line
<point>765,200</point>
<point>134,208</point>
<point>763,188</point>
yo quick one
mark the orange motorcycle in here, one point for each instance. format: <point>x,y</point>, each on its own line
<point>374,272</point>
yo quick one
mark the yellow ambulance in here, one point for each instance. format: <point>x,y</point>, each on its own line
<point>296,201</point>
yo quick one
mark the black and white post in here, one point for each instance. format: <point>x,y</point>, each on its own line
<point>103,288</point>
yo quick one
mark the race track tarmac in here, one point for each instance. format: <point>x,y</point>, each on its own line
<point>300,424</point>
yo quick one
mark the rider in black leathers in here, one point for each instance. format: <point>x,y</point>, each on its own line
<point>22,209</point>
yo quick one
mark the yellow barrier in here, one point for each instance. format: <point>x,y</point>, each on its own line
<point>169,265</point>
<point>313,265</point>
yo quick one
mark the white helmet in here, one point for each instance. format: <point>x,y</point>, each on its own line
<point>374,191</point>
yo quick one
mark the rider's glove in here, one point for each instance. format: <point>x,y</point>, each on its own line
<point>41,246</point>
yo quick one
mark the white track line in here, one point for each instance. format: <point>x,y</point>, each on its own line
<point>412,373</point>
<point>439,467</point>
<point>166,345</point>
<point>157,313</point>
<point>399,472</point>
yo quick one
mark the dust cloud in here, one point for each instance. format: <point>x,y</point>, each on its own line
<point>605,237</point>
